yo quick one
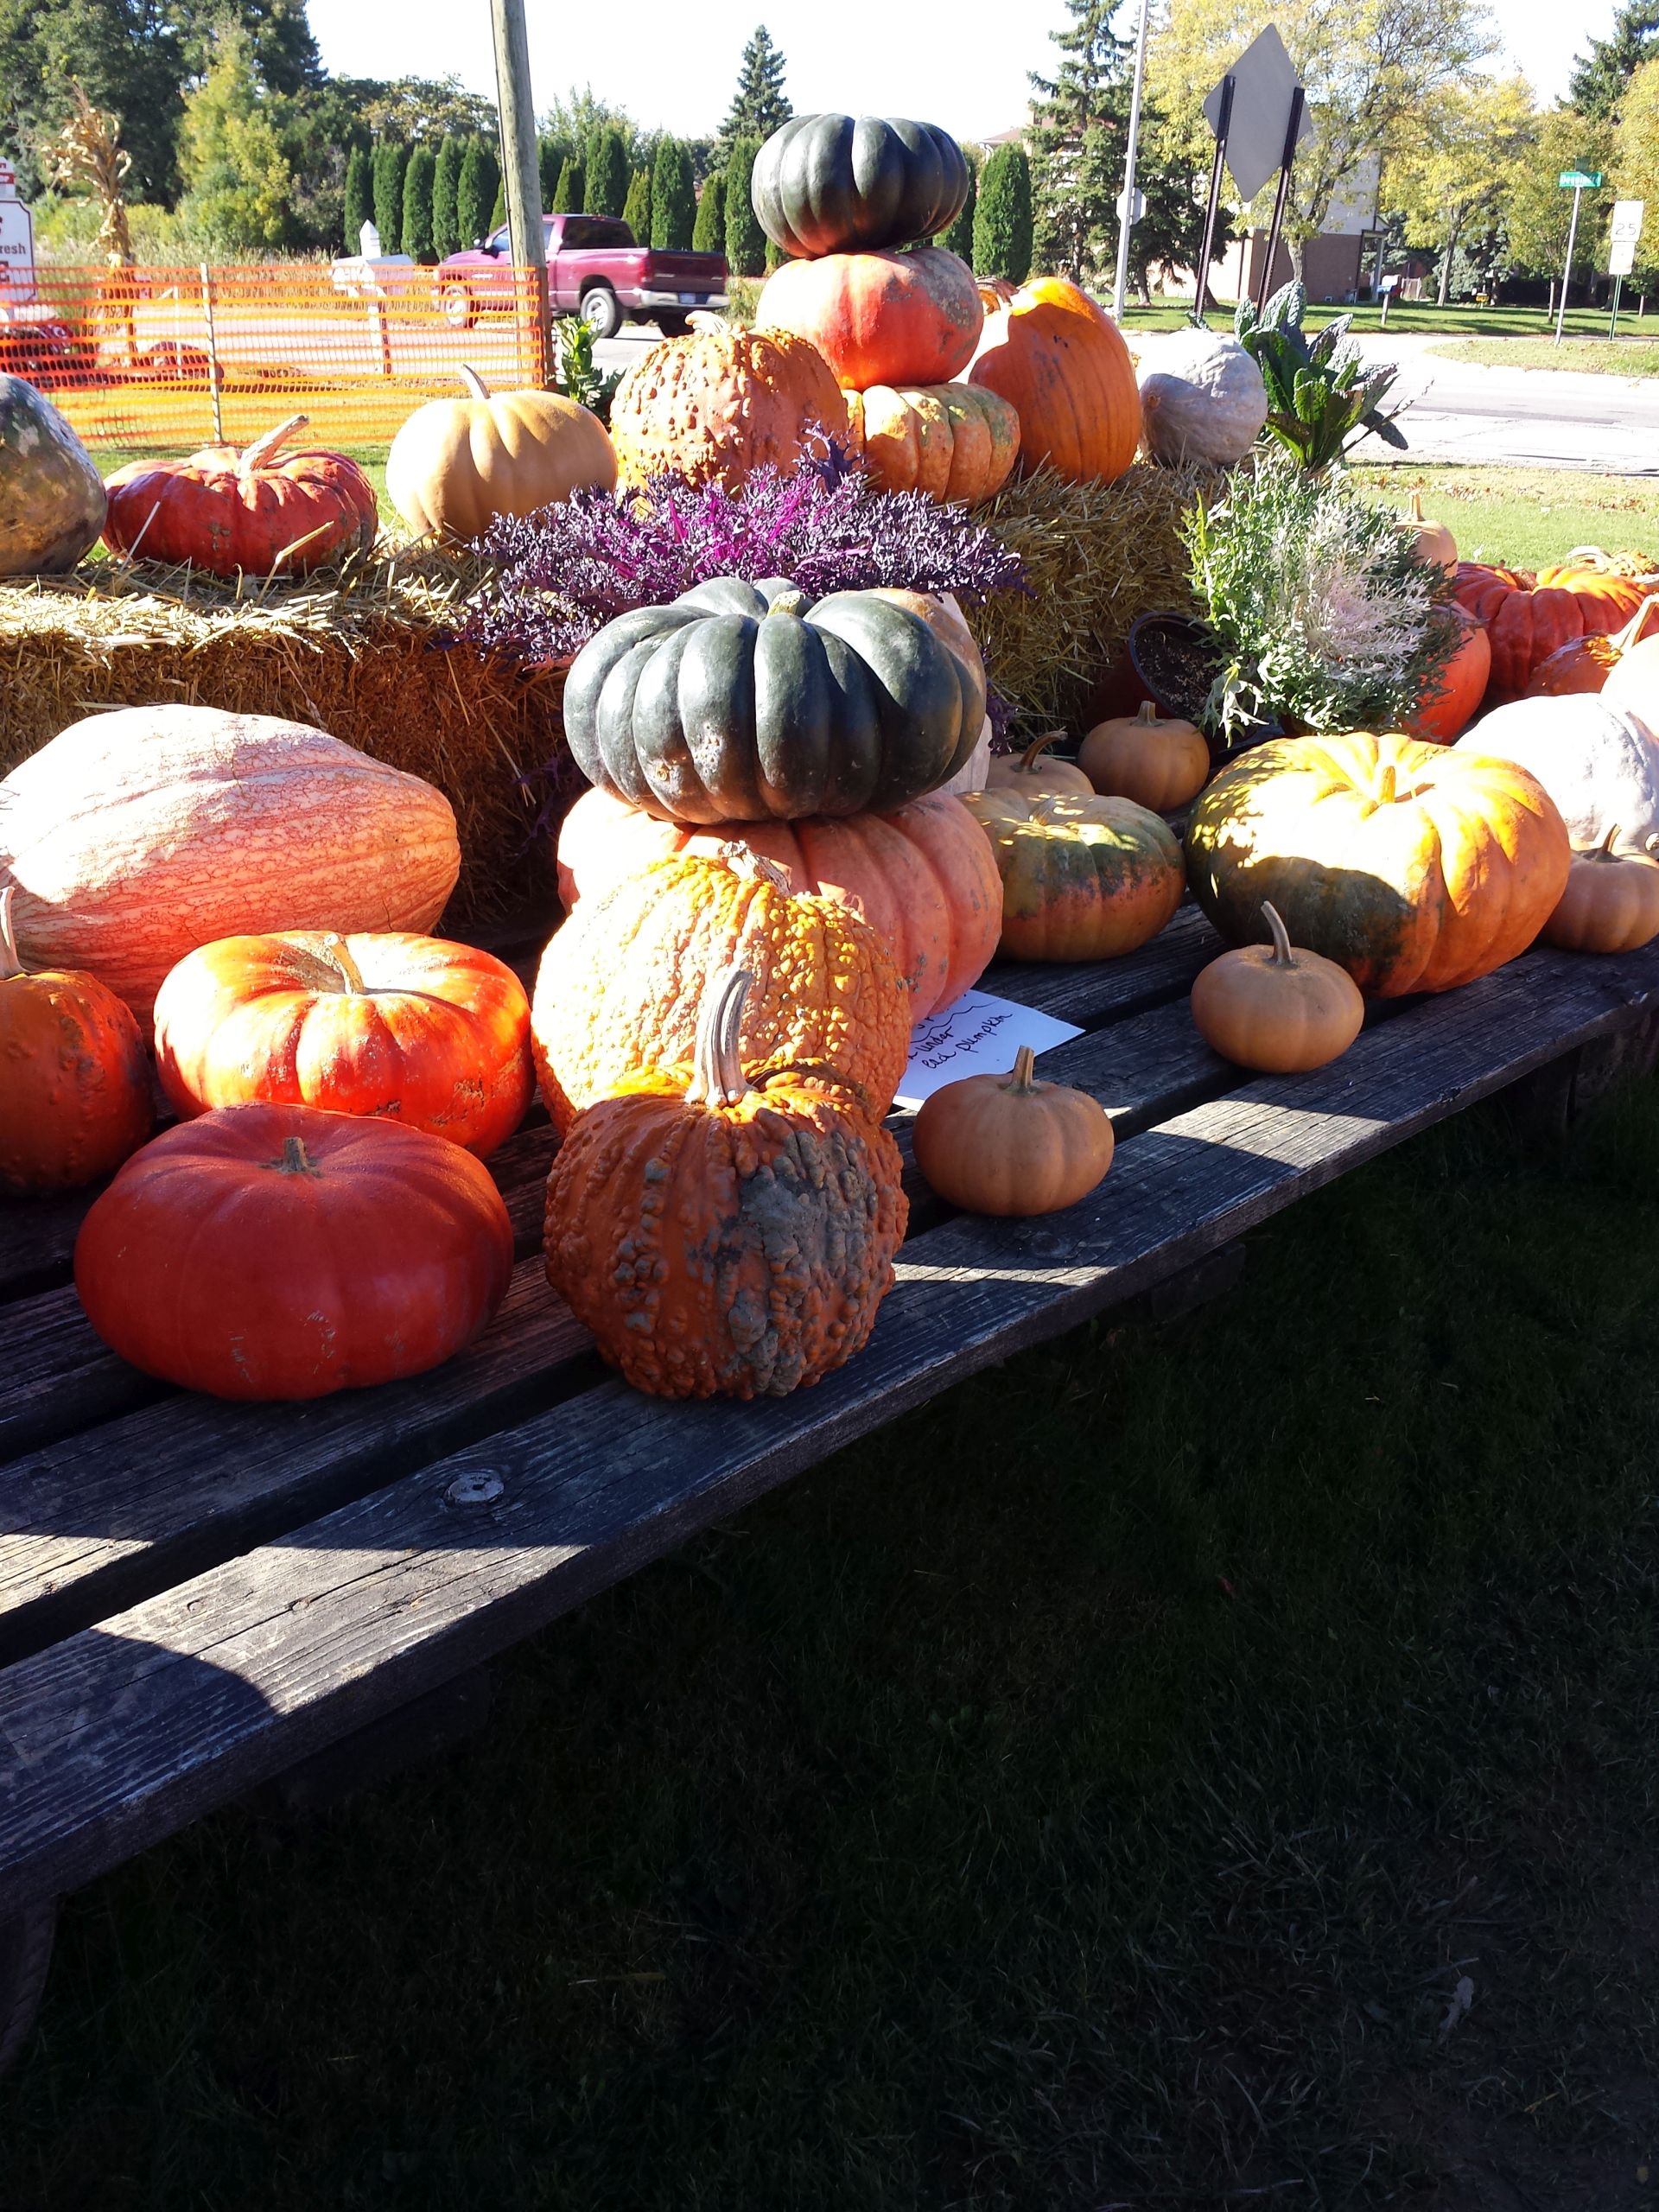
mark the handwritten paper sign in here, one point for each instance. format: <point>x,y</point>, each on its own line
<point>976,1035</point>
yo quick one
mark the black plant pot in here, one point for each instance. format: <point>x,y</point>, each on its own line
<point>1173,660</point>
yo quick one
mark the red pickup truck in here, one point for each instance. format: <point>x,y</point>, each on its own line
<point>595,270</point>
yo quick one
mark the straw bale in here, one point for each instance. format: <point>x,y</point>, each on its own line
<point>1097,555</point>
<point>359,656</point>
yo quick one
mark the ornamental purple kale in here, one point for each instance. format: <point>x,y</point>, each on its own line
<point>566,571</point>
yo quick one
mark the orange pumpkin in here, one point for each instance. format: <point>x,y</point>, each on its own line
<point>621,981</point>
<point>1037,770</point>
<point>1587,663</point>
<point>258,513</point>
<point>1530,617</point>
<point>1447,711</point>
<point>722,401</point>
<point>1277,1007</point>
<point>923,877</point>
<point>1156,761</point>
<point>278,1252</point>
<point>879,318</point>
<point>1610,903</point>
<point>1415,866</point>
<point>952,440</point>
<point>1083,879</point>
<point>1061,363</point>
<point>1434,542</point>
<point>75,1083</point>
<point>456,464</point>
<point>725,1229</point>
<point>411,1028</point>
<point>1011,1146</point>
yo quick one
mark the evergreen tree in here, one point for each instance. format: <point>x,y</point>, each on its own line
<point>708,231</point>
<point>567,199</point>
<point>1601,75</point>
<point>418,180</point>
<point>746,242</point>
<point>1078,115</point>
<point>760,105</point>
<point>445,176</point>
<point>475,191</point>
<point>359,196</point>
<point>636,213</point>
<point>959,238</point>
<point>607,180</point>
<point>550,162</point>
<point>673,204</point>
<point>390,160</point>
<point>1002,223</point>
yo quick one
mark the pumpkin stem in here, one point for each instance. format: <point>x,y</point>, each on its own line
<point>1416,506</point>
<point>1021,1078</point>
<point>1605,850</point>
<point>259,452</point>
<point>339,952</point>
<point>789,602</point>
<point>1028,758</point>
<point>1148,714</point>
<point>296,1160</point>
<point>1639,622</point>
<point>1385,783</point>
<point>476,387</point>
<point>717,1077</point>
<point>1281,955</point>
<point>12,961</point>
<point>742,860</point>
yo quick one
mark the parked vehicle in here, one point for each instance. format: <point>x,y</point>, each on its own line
<point>595,269</point>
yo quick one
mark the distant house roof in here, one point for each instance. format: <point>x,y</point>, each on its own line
<point>1006,137</point>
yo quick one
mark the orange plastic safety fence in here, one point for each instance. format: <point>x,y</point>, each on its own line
<point>165,360</point>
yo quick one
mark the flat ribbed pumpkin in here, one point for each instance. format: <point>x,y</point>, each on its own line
<point>135,836</point>
<point>725,1228</point>
<point>1530,617</point>
<point>720,403</point>
<point>413,1029</point>
<point>620,982</point>
<point>952,440</point>
<point>737,701</point>
<point>1083,879</point>
<point>456,464</point>
<point>922,876</point>
<point>256,512</point>
<point>834,183</point>
<point>1416,867</point>
<point>1061,363</point>
<point>880,318</point>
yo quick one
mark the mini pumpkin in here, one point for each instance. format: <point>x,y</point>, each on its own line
<point>1061,363</point>
<point>1587,663</point>
<point>1434,541</point>
<point>726,1228</point>
<point>620,983</point>
<point>456,464</point>
<point>415,1029</point>
<point>1037,769</point>
<point>879,318</point>
<point>1275,1008</point>
<point>1083,879</point>
<point>1610,903</point>
<point>274,1252</point>
<point>720,403</point>
<point>258,512</point>
<point>952,440</point>
<point>1158,760</point>
<point>75,1082</point>
<point>1009,1145</point>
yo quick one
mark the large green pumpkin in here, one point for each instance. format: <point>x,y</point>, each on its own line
<point>844,184</point>
<point>52,502</point>
<point>749,702</point>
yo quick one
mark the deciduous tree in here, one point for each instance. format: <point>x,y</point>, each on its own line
<point>1462,163</point>
<point>237,179</point>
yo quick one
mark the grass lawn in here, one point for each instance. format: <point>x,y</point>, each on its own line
<point>1603,357</point>
<point>1405,316</point>
<point>1199,1765</point>
<point>1523,517</point>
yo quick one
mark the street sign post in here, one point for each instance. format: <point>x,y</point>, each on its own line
<point>16,243</point>
<point>1624,236</point>
<point>1578,183</point>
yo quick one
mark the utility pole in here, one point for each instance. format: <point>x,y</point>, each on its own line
<point>1128,213</point>
<point>520,169</point>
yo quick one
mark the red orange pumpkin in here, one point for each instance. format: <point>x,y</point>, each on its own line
<point>1455,699</point>
<point>1530,617</point>
<point>1587,663</point>
<point>257,512</point>
<point>1061,363</point>
<point>879,318</point>
<point>432,1034</point>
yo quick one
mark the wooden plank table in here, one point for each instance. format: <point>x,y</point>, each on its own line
<point>194,1597</point>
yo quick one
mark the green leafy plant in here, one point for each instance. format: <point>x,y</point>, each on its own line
<point>578,376</point>
<point>1324,616</point>
<point>1320,395</point>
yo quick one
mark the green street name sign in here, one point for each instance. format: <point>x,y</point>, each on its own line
<point>1582,180</point>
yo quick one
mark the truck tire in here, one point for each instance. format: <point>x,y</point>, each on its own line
<point>455,306</point>
<point>672,325</point>
<point>602,311</point>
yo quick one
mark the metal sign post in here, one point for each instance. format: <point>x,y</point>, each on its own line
<point>1212,206</point>
<point>1622,240</point>
<point>1293,132</point>
<point>1578,181</point>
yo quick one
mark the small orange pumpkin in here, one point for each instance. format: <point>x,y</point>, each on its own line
<point>1061,362</point>
<point>1156,761</point>
<point>1447,711</point>
<point>1036,770</point>
<point>1009,1145</point>
<point>75,1083</point>
<point>1610,903</point>
<point>1276,1008</point>
<point>723,1229</point>
<point>1587,663</point>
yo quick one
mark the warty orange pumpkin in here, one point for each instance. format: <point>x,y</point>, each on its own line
<point>722,401</point>
<point>74,1081</point>
<point>1061,363</point>
<point>1416,867</point>
<point>415,1029</point>
<point>621,981</point>
<point>727,1228</point>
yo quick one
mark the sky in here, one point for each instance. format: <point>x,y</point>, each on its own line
<point>673,63</point>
